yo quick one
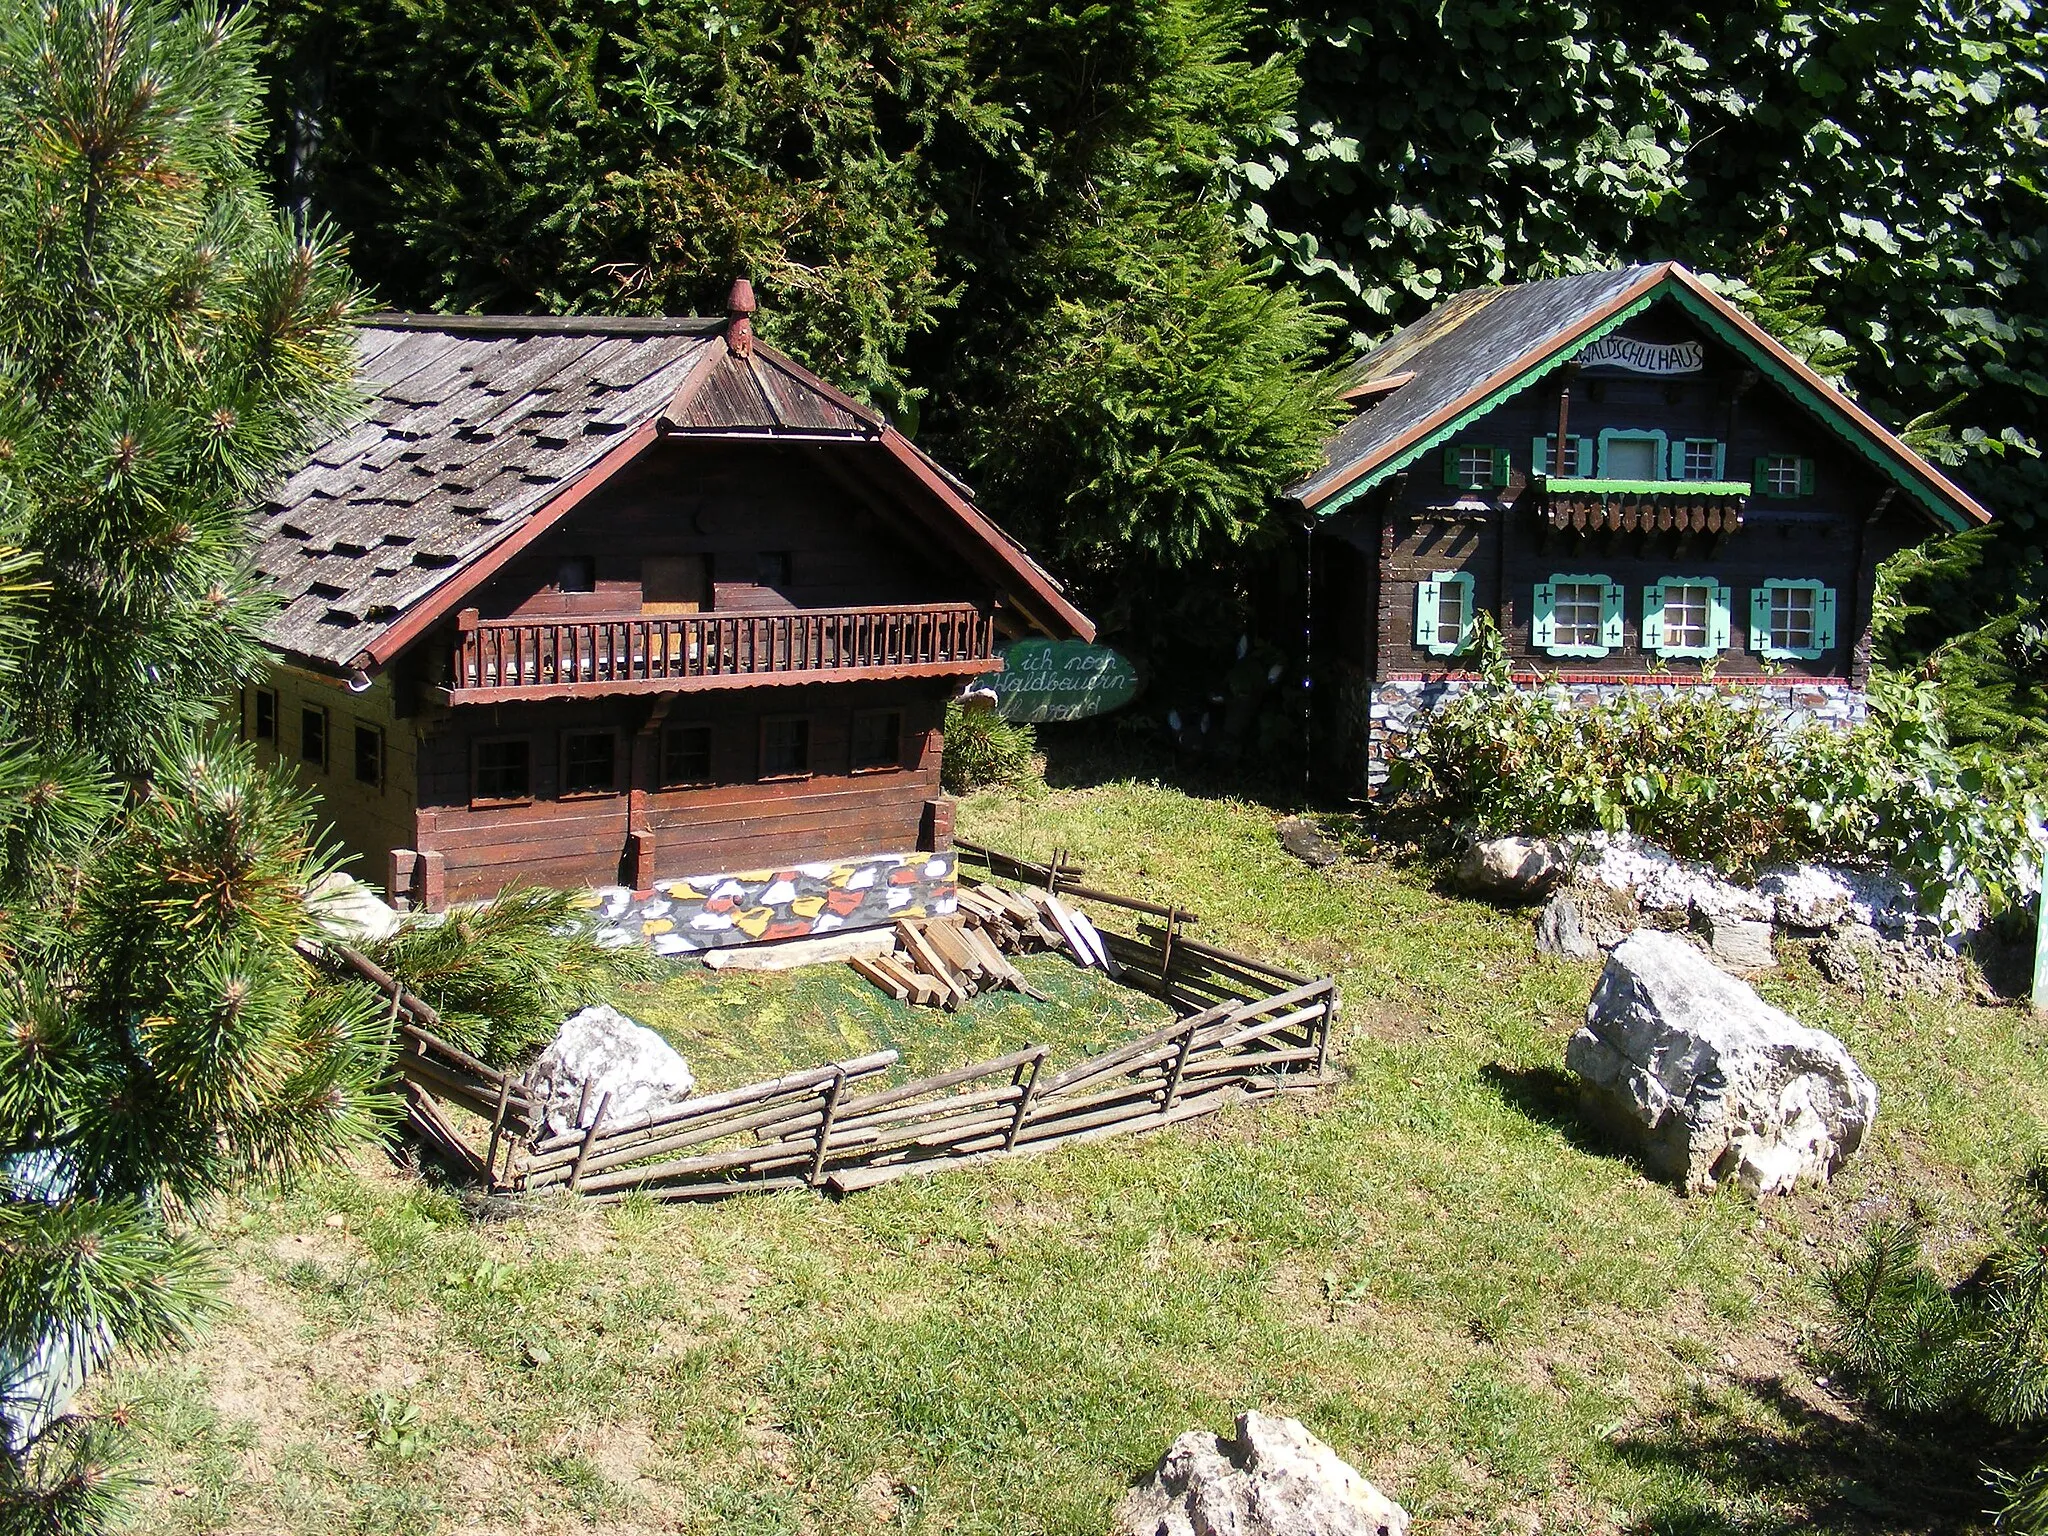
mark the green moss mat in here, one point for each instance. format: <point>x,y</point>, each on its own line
<point>740,1026</point>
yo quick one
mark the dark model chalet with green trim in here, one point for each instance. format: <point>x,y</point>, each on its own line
<point>1636,482</point>
<point>615,602</point>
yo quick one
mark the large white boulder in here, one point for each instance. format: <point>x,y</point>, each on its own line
<point>1513,869</point>
<point>1709,1081</point>
<point>350,911</point>
<point>600,1051</point>
<point>1274,1479</point>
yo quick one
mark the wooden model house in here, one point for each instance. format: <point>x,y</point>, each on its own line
<point>1637,483</point>
<point>594,602</point>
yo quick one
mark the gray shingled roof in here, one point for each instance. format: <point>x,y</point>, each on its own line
<point>1453,351</point>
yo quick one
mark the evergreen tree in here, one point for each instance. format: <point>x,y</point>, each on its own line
<point>166,342</point>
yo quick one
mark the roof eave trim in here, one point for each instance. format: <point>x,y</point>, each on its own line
<point>1477,402</point>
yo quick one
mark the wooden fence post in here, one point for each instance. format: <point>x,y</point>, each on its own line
<point>1180,1061</point>
<point>497,1130</point>
<point>831,1108</point>
<point>589,1136</point>
<point>1323,1038</point>
<point>1023,1103</point>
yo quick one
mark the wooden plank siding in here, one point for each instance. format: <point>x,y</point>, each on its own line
<point>1414,526</point>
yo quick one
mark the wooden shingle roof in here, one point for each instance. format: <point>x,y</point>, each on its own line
<point>475,426</point>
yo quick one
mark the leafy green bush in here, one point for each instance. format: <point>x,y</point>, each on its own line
<point>985,751</point>
<point>1712,775</point>
<point>1971,1355</point>
<point>504,973</point>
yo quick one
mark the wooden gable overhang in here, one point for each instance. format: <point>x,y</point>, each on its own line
<point>1478,391</point>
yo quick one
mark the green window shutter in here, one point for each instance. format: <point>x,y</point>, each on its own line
<point>1451,465</point>
<point>1719,619</point>
<point>1427,594</point>
<point>1543,617</point>
<point>1824,619</point>
<point>1806,477</point>
<point>1503,467</point>
<point>1584,467</point>
<point>1720,461</point>
<point>1539,458</point>
<point>1674,460</point>
<point>1453,644</point>
<point>1610,617</point>
<point>1653,617</point>
<point>1759,616</point>
<point>1760,476</point>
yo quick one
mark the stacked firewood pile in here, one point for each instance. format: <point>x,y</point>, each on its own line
<point>940,962</point>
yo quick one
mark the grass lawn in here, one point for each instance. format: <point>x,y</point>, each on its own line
<point>1502,1324</point>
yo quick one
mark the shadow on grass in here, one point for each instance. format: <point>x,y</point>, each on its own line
<point>1551,1096</point>
<point>1088,754</point>
<point>1810,1470</point>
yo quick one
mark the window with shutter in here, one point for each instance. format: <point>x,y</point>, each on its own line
<point>1697,458</point>
<point>1792,620</point>
<point>1443,613</point>
<point>1577,616</point>
<point>1632,455</point>
<point>1691,617</point>
<point>1782,476</point>
<point>1578,457</point>
<point>1475,466</point>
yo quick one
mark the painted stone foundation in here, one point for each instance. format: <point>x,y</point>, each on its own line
<point>1399,704</point>
<point>798,901</point>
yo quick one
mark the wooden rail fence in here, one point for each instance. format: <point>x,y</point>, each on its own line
<point>1247,1030</point>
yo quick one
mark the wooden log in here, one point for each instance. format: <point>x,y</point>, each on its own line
<point>497,1132</point>
<point>658,1140</point>
<point>946,938</point>
<point>932,963</point>
<point>576,1168</point>
<point>479,1098</point>
<point>712,1190</point>
<point>437,1134</point>
<point>869,971</point>
<point>1128,903</point>
<point>832,1090</point>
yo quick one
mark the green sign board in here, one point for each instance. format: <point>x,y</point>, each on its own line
<point>1059,680</point>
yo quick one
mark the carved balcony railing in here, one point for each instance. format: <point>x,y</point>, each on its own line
<point>504,659</point>
<point>1711,507</point>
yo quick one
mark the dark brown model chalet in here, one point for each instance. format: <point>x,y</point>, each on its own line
<point>596,602</point>
<point>1638,484</point>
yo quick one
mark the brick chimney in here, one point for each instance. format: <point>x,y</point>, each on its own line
<point>739,318</point>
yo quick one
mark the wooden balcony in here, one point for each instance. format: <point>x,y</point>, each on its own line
<point>500,660</point>
<point>1713,507</point>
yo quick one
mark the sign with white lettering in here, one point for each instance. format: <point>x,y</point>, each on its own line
<point>1060,680</point>
<point>1643,356</point>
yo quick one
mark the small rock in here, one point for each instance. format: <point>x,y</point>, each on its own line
<point>1513,869</point>
<point>604,1050</point>
<point>1740,944</point>
<point>1580,921</point>
<point>1806,898</point>
<point>1709,1081</point>
<point>1305,840</point>
<point>349,910</point>
<point>1274,1479</point>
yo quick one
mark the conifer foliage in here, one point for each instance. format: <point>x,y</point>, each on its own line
<point>165,343</point>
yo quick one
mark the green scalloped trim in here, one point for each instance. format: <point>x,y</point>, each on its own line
<point>1651,487</point>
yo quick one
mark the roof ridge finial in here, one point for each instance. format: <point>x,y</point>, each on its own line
<point>739,318</point>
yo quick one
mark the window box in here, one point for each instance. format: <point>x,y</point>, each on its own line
<point>1792,620</point>
<point>1476,466</point>
<point>1577,616</point>
<point>1686,616</point>
<point>1443,613</point>
<point>1632,455</point>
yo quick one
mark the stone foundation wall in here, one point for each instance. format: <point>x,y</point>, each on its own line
<point>1399,704</point>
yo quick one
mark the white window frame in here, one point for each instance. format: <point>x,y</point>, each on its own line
<point>1612,435</point>
<point>1719,468</point>
<point>1543,616</point>
<point>1826,610</point>
<point>1582,451</point>
<point>1428,609</point>
<point>1719,605</point>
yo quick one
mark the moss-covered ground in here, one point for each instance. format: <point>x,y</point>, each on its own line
<point>1488,1312</point>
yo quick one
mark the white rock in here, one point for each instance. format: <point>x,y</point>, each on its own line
<point>349,910</point>
<point>1513,868</point>
<point>1709,1081</point>
<point>1740,943</point>
<point>604,1049</point>
<point>1274,1479</point>
<point>1807,896</point>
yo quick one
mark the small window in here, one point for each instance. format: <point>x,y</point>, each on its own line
<point>263,711</point>
<point>1782,476</point>
<point>313,735</point>
<point>504,769</point>
<point>785,748</point>
<point>686,756</point>
<point>590,763</point>
<point>772,568</point>
<point>1578,457</point>
<point>369,755</point>
<point>577,573</point>
<point>671,584</point>
<point>1577,616</point>
<point>1697,458</point>
<point>1631,455</point>
<point>1792,620</point>
<point>1685,616</point>
<point>1443,613</point>
<point>877,740</point>
<point>1475,466</point>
